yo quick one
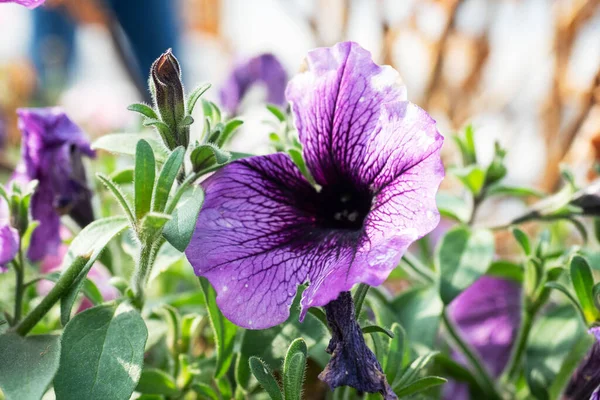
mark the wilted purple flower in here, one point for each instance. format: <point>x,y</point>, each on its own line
<point>31,4</point>
<point>585,382</point>
<point>9,245</point>
<point>264,229</point>
<point>346,346</point>
<point>263,69</point>
<point>51,153</point>
<point>488,315</point>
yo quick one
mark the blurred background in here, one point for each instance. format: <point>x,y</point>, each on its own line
<point>525,73</point>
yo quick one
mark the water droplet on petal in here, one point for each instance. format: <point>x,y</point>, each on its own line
<point>225,288</point>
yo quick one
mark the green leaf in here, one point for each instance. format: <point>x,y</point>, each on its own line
<point>420,385</point>
<point>144,174</point>
<point>503,190</point>
<point>195,95</point>
<point>506,269</point>
<point>453,207</point>
<point>260,343</point>
<point>462,256</point>
<point>228,131</point>
<point>276,112</point>
<point>473,177</point>
<point>166,178</point>
<point>412,371</point>
<point>125,144</point>
<point>143,109</point>
<point>186,121</point>
<point>596,294</point>
<point>122,176</point>
<point>103,354</point>
<point>178,231</point>
<point>583,283</point>
<point>208,155</point>
<point>156,381</point>
<point>27,365</point>
<point>398,353</point>
<point>91,240</point>
<point>119,196</point>
<point>419,311</point>
<point>377,329</point>
<point>205,391</point>
<point>151,226</point>
<point>523,240</point>
<point>561,288</point>
<point>224,329</point>
<point>265,377</point>
<point>164,131</point>
<point>555,338</point>
<point>293,369</point>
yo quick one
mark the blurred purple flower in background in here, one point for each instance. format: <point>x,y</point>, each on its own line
<point>52,149</point>
<point>264,69</point>
<point>31,4</point>
<point>585,382</point>
<point>9,245</point>
<point>264,229</point>
<point>488,315</point>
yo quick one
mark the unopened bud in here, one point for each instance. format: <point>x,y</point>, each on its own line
<point>168,95</point>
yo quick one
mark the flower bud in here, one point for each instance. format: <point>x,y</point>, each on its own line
<point>168,95</point>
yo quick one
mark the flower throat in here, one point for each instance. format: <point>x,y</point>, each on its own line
<point>342,206</point>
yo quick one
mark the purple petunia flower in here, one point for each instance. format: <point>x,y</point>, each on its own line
<point>263,69</point>
<point>31,4</point>
<point>263,229</point>
<point>51,153</point>
<point>9,245</point>
<point>585,382</point>
<point>488,315</point>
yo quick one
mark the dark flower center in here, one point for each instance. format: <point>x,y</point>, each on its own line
<point>343,207</point>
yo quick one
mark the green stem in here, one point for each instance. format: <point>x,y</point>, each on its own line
<point>359,298</point>
<point>416,265</point>
<point>64,283</point>
<point>19,288</point>
<point>481,374</point>
<point>514,363</point>
<point>146,260</point>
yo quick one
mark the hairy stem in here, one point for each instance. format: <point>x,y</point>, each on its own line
<point>64,283</point>
<point>146,260</point>
<point>19,286</point>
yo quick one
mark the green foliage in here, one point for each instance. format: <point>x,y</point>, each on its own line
<point>167,176</point>
<point>111,339</point>
<point>265,377</point>
<point>462,256</point>
<point>91,241</point>
<point>555,338</point>
<point>583,283</point>
<point>294,365</point>
<point>178,231</point>
<point>144,174</point>
<point>224,330</point>
<point>27,365</point>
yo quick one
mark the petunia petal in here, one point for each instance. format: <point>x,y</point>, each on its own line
<point>337,106</point>
<point>256,241</point>
<point>9,245</point>
<point>263,69</point>
<point>51,153</point>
